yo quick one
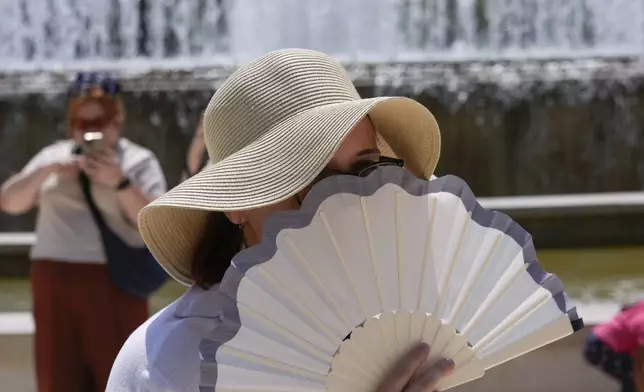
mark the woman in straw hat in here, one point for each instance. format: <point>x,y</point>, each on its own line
<point>272,129</point>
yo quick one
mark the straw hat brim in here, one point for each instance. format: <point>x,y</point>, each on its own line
<point>276,166</point>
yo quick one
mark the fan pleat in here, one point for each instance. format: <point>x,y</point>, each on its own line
<point>426,284</point>
<point>241,379</point>
<point>533,303</point>
<point>480,261</point>
<point>290,361</point>
<point>382,224</point>
<point>486,289</point>
<point>322,284</point>
<point>500,301</point>
<point>275,319</point>
<point>309,316</point>
<point>343,262</point>
<point>518,341</point>
<point>372,252</point>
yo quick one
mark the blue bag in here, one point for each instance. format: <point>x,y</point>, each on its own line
<point>133,270</point>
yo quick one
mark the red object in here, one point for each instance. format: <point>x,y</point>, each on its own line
<point>624,333</point>
<point>82,320</point>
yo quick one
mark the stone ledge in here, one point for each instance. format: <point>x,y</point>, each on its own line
<point>421,74</point>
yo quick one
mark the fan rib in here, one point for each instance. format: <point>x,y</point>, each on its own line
<point>398,250</point>
<point>304,344</point>
<point>278,285</point>
<point>556,330</point>
<point>458,343</point>
<point>373,353</point>
<point>372,252</point>
<point>343,262</point>
<point>406,316</point>
<point>426,264</point>
<point>437,327</point>
<point>378,343</point>
<point>441,341</point>
<point>435,319</point>
<point>306,264</point>
<point>452,265</point>
<point>489,302</point>
<point>390,349</point>
<point>367,365</point>
<point>470,355</point>
<point>341,360</point>
<point>445,352</point>
<point>356,383</point>
<point>510,321</point>
<point>474,278</point>
<point>271,363</point>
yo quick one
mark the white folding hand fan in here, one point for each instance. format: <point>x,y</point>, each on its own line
<point>340,289</point>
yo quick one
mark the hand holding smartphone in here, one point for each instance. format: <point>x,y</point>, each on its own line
<point>93,144</point>
<point>99,161</point>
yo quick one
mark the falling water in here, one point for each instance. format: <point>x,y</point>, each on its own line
<point>64,31</point>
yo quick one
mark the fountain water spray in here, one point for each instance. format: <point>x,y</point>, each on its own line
<point>60,33</point>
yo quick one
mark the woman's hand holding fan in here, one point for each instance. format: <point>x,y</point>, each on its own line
<point>340,290</point>
<point>410,374</point>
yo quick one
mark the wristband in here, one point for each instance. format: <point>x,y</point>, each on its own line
<point>124,184</point>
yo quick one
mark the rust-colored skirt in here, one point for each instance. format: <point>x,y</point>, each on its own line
<point>82,320</point>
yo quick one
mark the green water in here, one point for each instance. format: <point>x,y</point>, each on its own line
<point>610,274</point>
<point>15,295</point>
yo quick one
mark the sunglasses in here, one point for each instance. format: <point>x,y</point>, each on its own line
<point>90,124</point>
<point>361,169</point>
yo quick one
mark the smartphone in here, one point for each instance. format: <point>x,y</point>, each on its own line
<point>93,143</point>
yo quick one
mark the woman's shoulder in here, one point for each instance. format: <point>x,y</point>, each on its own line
<point>130,371</point>
<point>135,152</point>
<point>59,149</point>
<point>163,355</point>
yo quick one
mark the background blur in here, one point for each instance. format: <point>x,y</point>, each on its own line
<point>533,97</point>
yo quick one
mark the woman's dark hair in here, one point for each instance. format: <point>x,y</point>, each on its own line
<point>221,240</point>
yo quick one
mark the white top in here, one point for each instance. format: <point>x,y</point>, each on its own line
<point>65,229</point>
<point>163,354</point>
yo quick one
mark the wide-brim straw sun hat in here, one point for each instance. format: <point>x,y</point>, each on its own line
<point>270,129</point>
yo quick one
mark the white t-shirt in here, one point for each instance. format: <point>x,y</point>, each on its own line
<point>65,229</point>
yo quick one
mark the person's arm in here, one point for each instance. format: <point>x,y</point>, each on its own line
<point>132,200</point>
<point>194,157</point>
<point>146,184</point>
<point>20,192</point>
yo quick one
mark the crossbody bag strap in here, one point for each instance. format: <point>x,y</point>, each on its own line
<point>87,193</point>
